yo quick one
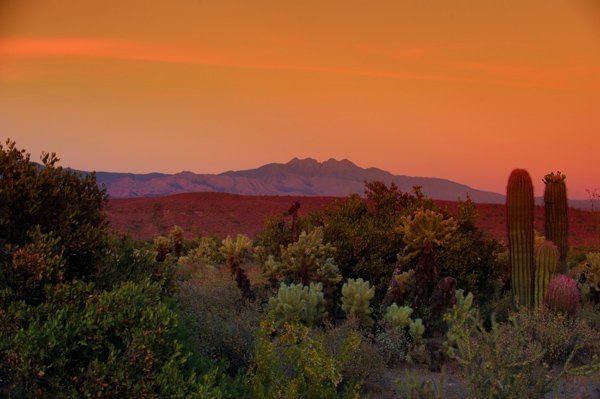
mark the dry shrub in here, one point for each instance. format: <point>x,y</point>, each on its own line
<point>365,366</point>
<point>223,324</point>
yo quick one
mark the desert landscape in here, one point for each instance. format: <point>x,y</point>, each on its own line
<point>317,199</point>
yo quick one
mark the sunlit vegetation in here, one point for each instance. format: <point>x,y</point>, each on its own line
<point>382,295</point>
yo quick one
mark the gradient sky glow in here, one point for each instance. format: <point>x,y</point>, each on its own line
<point>465,90</point>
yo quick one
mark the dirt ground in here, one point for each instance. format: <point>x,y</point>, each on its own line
<point>454,387</point>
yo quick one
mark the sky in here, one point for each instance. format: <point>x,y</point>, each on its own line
<point>464,90</point>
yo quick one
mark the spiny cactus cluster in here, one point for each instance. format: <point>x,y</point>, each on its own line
<point>546,262</point>
<point>426,230</point>
<point>298,303</point>
<point>305,261</point>
<point>398,317</point>
<point>356,298</point>
<point>556,212</point>
<point>562,295</point>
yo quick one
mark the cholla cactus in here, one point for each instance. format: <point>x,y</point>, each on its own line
<point>426,230</point>
<point>587,275</point>
<point>162,247</point>
<point>562,295</point>
<point>398,317</point>
<point>207,252</point>
<point>458,319</point>
<point>235,253</point>
<point>416,330</point>
<point>297,303</point>
<point>356,297</point>
<point>305,261</point>
<point>176,240</point>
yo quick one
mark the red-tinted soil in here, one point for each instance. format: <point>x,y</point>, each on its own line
<point>223,214</point>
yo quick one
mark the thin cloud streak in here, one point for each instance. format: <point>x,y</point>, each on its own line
<point>516,76</point>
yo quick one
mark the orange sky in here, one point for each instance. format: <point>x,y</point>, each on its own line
<point>465,90</point>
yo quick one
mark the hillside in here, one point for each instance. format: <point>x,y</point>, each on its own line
<point>222,214</point>
<point>304,177</point>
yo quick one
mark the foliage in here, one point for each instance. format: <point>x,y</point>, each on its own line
<point>206,251</point>
<point>34,265</point>
<point>473,259</point>
<point>402,337</point>
<point>128,260</point>
<point>562,295</point>
<point>57,202</point>
<point>424,231</point>
<point>398,317</point>
<point>162,247</point>
<point>587,275</point>
<point>412,387</point>
<point>235,253</point>
<point>360,361</point>
<point>297,303</point>
<point>363,230</point>
<point>356,297</point>
<point>508,360</point>
<point>176,240</point>
<point>305,261</point>
<point>82,342</point>
<point>222,325</point>
<point>291,362</point>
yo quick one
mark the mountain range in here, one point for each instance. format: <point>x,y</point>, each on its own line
<point>305,177</point>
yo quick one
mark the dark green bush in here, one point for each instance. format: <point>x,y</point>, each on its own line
<point>54,200</point>
<point>85,343</point>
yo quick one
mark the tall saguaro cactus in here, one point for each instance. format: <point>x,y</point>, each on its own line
<point>546,261</point>
<point>519,211</point>
<point>556,210</point>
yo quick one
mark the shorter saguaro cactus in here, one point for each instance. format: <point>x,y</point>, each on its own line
<point>356,297</point>
<point>298,303</point>
<point>562,295</point>
<point>546,262</point>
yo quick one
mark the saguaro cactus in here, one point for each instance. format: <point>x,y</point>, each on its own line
<point>556,210</point>
<point>546,261</point>
<point>519,211</point>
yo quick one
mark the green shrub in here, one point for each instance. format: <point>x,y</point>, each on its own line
<point>85,343</point>
<point>292,362</point>
<point>356,298</point>
<point>129,260</point>
<point>58,202</point>
<point>206,251</point>
<point>297,303</point>
<point>363,230</point>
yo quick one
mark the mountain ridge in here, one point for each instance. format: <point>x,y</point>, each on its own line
<point>305,177</point>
